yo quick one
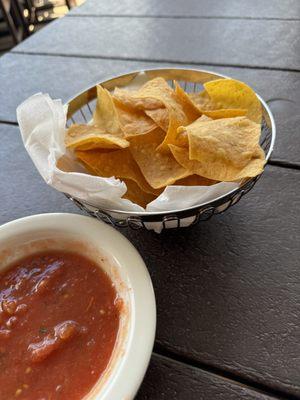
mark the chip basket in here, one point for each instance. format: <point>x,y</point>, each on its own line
<point>80,110</point>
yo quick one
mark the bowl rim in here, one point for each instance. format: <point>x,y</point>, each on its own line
<point>129,371</point>
<point>199,205</point>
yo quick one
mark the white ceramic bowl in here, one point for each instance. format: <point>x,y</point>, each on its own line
<point>127,270</point>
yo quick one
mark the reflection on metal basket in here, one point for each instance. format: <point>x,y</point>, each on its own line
<point>80,111</point>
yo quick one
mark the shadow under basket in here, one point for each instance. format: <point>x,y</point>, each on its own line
<point>80,110</point>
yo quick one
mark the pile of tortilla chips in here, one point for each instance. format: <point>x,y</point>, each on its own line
<point>158,136</point>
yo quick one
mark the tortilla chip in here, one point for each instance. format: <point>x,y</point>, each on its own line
<point>190,113</point>
<point>150,98</point>
<point>173,109</point>
<point>233,94</point>
<point>225,113</point>
<point>219,170</point>
<point>132,121</point>
<point>212,109</point>
<point>160,116</point>
<point>202,118</point>
<point>158,88</point>
<point>202,100</point>
<point>178,111</point>
<point>154,94</point>
<point>172,136</point>
<point>182,137</point>
<point>190,109</point>
<point>224,150</point>
<point>119,164</point>
<point>136,99</point>
<point>234,139</point>
<point>194,180</point>
<point>158,169</point>
<point>88,137</point>
<point>136,194</point>
<point>105,115</point>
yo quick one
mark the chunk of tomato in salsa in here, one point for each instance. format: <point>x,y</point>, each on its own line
<point>59,320</point>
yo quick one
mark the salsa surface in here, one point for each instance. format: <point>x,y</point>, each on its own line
<point>59,319</point>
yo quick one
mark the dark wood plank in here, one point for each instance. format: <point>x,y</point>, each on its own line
<point>23,75</point>
<point>287,9</point>
<point>210,41</point>
<point>23,191</point>
<point>63,77</point>
<point>228,291</point>
<point>167,379</point>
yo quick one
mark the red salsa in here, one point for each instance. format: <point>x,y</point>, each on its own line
<point>59,320</point>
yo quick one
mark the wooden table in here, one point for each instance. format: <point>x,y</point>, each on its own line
<point>228,290</point>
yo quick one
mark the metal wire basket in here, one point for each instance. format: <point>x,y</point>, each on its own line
<point>80,110</point>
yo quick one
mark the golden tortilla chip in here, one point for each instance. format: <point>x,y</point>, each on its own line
<point>154,94</point>
<point>172,135</point>
<point>135,99</point>
<point>188,113</point>
<point>150,98</point>
<point>234,139</point>
<point>202,118</point>
<point>220,170</point>
<point>132,121</point>
<point>136,194</point>
<point>159,169</point>
<point>88,137</point>
<point>233,94</point>
<point>160,116</point>
<point>182,137</point>
<point>190,109</point>
<point>225,149</point>
<point>105,115</point>
<point>202,100</point>
<point>194,180</point>
<point>225,113</point>
<point>119,164</point>
<point>214,110</point>
<point>173,109</point>
<point>159,89</point>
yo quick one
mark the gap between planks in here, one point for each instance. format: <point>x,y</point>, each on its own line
<point>165,16</point>
<point>276,163</point>
<point>249,383</point>
<point>153,61</point>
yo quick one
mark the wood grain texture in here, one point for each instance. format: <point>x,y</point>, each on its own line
<point>287,9</point>
<point>227,290</point>
<point>269,43</point>
<point>24,75</point>
<point>167,379</point>
<point>23,191</point>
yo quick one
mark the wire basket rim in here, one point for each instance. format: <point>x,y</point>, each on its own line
<point>197,206</point>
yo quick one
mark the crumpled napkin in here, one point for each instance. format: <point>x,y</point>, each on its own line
<point>42,123</point>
